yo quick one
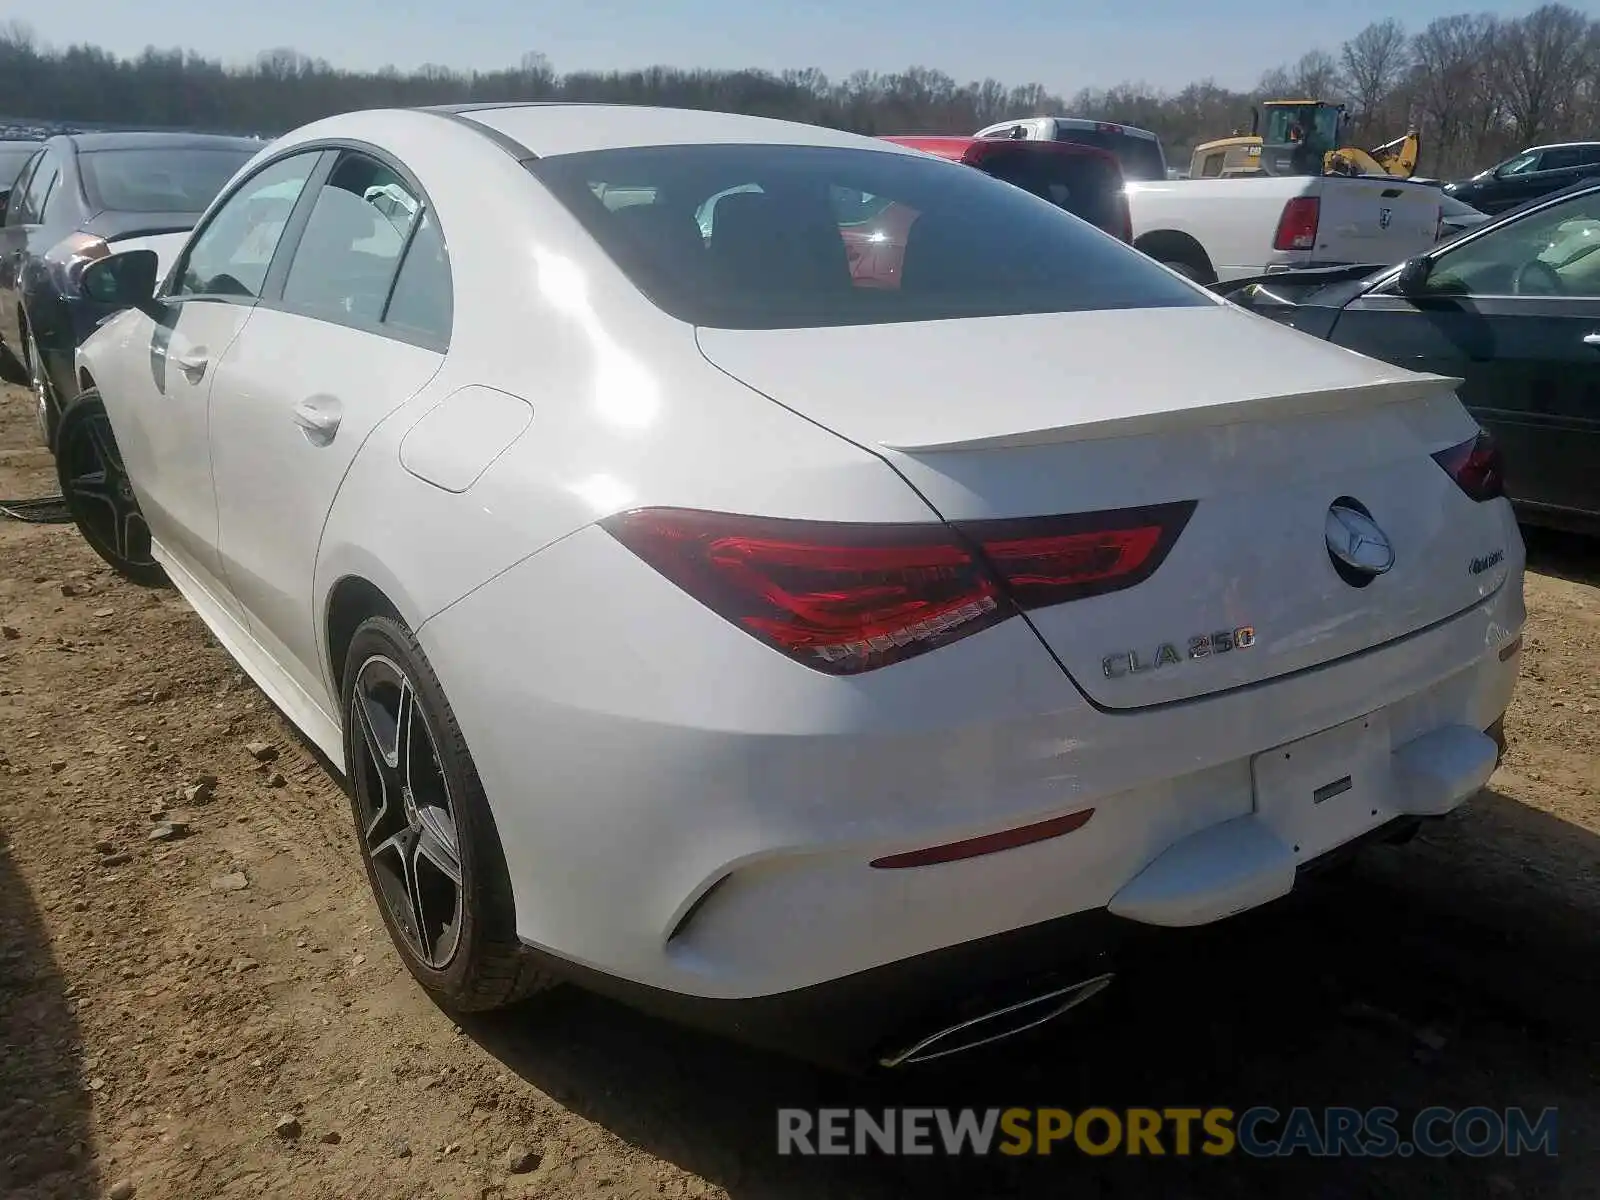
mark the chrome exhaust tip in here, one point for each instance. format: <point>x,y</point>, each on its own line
<point>1002,1023</point>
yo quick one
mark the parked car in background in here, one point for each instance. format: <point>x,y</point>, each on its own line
<point>80,198</point>
<point>1511,308</point>
<point>849,667</point>
<point>1536,171</point>
<point>1080,179</point>
<point>1211,229</point>
<point>1138,150</point>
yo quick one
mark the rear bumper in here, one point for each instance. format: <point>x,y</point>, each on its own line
<point>704,821</point>
<point>866,1020</point>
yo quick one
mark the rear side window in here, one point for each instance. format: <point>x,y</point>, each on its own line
<point>1139,157</point>
<point>423,296</point>
<point>11,164</point>
<point>177,180</point>
<point>352,244</point>
<point>45,177</point>
<point>788,242</point>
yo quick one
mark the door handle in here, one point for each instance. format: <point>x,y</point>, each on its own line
<point>318,423</point>
<point>192,365</point>
<point>1592,339</point>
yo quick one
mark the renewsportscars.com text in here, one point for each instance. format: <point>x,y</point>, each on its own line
<point>1258,1132</point>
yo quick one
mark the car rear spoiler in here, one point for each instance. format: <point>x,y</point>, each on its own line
<point>1302,276</point>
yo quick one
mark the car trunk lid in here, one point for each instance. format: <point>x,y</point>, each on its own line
<point>1264,430</point>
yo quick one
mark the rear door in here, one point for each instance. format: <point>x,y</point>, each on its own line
<point>355,323</point>
<point>1515,312</point>
<point>1371,220</point>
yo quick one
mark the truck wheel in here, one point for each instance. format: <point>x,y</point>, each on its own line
<point>1187,270</point>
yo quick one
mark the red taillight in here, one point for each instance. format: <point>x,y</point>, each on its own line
<point>1050,560</point>
<point>1297,227</point>
<point>1476,467</point>
<point>846,598</point>
<point>1124,228</point>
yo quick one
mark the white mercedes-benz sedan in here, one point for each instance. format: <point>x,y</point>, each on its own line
<point>848,656</point>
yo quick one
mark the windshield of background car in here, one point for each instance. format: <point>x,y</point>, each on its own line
<point>785,245</point>
<point>158,181</point>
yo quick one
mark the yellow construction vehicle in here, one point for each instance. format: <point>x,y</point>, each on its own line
<point>1302,137</point>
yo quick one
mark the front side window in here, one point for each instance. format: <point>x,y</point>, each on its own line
<point>231,255</point>
<point>352,243</point>
<point>178,180</point>
<point>1520,165</point>
<point>775,251</point>
<point>1554,252</point>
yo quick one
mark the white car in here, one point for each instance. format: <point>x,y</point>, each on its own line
<point>851,668</point>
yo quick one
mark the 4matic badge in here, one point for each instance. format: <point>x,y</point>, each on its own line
<point>1206,645</point>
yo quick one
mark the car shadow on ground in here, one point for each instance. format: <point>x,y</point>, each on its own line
<point>1460,969</point>
<point>1574,557</point>
<point>44,1104</point>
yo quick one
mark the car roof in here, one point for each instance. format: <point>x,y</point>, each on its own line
<point>1113,127</point>
<point>138,140</point>
<point>1557,146</point>
<point>549,129</point>
<point>956,147</point>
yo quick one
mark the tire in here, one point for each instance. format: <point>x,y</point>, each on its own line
<point>95,486</point>
<point>421,815</point>
<point>46,409</point>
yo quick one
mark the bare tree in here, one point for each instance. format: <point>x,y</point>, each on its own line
<point>1374,62</point>
<point>1544,62</point>
<point>1314,75</point>
<point>1451,86</point>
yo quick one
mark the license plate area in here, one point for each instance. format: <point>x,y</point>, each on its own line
<point>1319,792</point>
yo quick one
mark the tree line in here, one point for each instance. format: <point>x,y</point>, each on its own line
<point>1477,86</point>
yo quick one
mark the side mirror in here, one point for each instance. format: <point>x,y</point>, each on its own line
<point>1413,278</point>
<point>126,280</point>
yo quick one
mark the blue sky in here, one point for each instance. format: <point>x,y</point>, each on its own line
<point>1060,44</point>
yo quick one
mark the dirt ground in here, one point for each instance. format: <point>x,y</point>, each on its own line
<point>164,1004</point>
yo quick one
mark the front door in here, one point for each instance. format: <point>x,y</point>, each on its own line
<point>316,371</point>
<point>158,406</point>
<point>1515,312</point>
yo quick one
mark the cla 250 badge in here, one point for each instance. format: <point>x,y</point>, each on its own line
<point>1130,662</point>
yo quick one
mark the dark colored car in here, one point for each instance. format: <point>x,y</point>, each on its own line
<point>1511,308</point>
<point>1537,171</point>
<point>1080,179</point>
<point>80,198</point>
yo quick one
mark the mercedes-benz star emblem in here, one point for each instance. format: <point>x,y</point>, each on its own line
<point>1355,540</point>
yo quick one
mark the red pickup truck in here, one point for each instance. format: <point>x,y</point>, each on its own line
<point>1084,180</point>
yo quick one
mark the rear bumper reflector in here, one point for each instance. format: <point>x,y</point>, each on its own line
<point>989,843</point>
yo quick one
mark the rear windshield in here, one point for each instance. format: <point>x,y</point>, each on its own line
<point>766,237</point>
<point>1140,157</point>
<point>1086,185</point>
<point>159,181</point>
